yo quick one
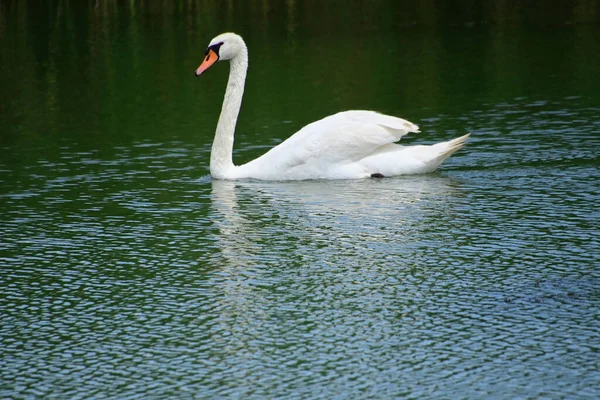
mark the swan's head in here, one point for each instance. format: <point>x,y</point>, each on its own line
<point>224,47</point>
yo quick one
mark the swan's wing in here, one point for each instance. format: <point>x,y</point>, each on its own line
<point>397,126</point>
<point>346,136</point>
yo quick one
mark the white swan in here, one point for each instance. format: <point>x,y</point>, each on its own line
<point>347,145</point>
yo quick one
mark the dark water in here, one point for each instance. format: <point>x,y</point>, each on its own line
<point>128,273</point>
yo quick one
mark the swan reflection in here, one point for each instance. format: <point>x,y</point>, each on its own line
<point>293,239</point>
<point>311,221</point>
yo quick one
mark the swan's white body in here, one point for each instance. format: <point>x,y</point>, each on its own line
<point>347,145</point>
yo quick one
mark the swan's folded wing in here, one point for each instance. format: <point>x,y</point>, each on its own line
<point>397,126</point>
<point>344,137</point>
<point>352,135</point>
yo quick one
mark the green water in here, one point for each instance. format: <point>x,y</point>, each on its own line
<point>126,272</point>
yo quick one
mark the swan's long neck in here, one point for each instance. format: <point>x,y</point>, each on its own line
<point>221,157</point>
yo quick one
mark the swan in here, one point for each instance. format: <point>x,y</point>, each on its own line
<point>347,145</point>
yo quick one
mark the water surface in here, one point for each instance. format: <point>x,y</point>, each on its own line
<point>127,272</point>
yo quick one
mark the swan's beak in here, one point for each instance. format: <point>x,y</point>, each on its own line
<point>211,58</point>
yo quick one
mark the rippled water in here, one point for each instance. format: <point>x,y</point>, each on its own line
<point>126,275</point>
<point>126,272</point>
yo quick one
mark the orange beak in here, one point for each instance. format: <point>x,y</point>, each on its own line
<point>211,58</point>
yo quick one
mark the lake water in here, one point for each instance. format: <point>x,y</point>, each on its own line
<point>126,272</point>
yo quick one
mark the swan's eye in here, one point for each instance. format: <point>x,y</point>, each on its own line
<point>215,48</point>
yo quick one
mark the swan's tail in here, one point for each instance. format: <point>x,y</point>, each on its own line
<point>446,149</point>
<point>394,159</point>
<point>433,156</point>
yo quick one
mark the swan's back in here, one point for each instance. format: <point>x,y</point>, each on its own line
<point>330,146</point>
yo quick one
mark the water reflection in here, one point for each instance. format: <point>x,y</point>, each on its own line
<point>316,222</point>
<point>351,198</point>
